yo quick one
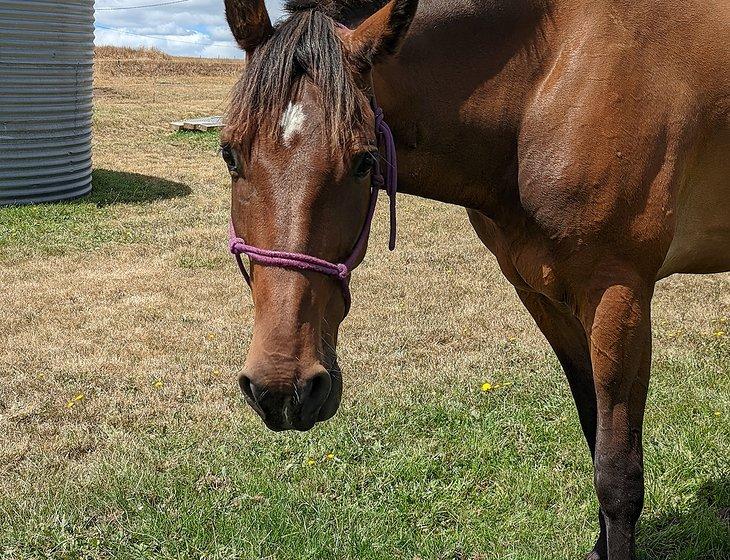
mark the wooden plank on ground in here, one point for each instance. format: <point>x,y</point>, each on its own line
<point>203,124</point>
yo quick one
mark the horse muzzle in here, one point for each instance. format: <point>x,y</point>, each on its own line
<point>296,405</point>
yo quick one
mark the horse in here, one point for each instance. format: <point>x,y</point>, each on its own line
<point>586,139</point>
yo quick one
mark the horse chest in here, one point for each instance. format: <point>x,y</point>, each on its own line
<point>528,264</point>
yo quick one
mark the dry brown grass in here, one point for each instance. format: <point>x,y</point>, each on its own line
<point>106,52</point>
<point>150,62</point>
<point>150,325</point>
<point>110,322</point>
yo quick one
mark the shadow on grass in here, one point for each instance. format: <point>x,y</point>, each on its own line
<point>84,222</point>
<point>115,187</point>
<point>699,531</point>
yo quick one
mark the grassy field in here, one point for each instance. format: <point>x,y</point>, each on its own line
<point>153,63</point>
<point>123,325</point>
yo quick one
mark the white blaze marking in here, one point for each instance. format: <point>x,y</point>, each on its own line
<point>292,121</point>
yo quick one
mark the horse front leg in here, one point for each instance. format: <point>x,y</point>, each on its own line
<point>567,337</point>
<point>617,320</point>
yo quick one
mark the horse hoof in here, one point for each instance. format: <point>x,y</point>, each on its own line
<point>593,555</point>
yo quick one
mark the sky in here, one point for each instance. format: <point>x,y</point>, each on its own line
<point>185,28</point>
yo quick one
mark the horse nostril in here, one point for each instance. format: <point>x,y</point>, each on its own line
<point>314,393</point>
<point>252,393</point>
<point>247,387</point>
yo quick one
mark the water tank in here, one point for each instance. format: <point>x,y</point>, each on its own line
<point>46,88</point>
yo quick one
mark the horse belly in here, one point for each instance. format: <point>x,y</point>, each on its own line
<point>701,241</point>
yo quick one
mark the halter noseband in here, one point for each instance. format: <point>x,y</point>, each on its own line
<point>341,271</point>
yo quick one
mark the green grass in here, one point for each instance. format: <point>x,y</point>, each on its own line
<point>86,222</point>
<point>209,140</point>
<point>116,211</point>
<point>450,474</point>
<point>196,261</point>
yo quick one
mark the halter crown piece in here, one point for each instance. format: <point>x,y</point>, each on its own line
<point>342,270</point>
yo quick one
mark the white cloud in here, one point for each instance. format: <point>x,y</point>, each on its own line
<point>189,28</point>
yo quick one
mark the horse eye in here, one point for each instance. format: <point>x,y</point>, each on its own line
<point>364,164</point>
<point>229,158</point>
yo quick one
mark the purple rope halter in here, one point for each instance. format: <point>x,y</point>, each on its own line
<point>341,271</point>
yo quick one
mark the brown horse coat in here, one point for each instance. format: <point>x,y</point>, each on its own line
<point>589,142</point>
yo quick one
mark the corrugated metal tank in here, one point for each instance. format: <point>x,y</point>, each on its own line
<point>46,75</point>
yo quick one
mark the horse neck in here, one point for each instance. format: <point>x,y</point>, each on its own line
<point>455,96</point>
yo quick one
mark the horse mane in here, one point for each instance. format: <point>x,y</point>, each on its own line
<point>303,45</point>
<point>347,12</point>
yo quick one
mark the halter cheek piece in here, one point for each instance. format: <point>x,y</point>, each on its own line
<point>342,270</point>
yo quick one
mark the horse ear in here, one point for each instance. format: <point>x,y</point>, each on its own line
<point>249,22</point>
<point>380,35</point>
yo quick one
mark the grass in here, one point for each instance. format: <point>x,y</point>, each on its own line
<point>202,140</point>
<point>153,63</point>
<point>124,323</point>
<point>82,224</point>
<point>105,52</point>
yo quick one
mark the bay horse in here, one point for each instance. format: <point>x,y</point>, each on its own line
<point>589,141</point>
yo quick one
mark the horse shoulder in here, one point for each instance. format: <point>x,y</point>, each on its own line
<point>619,146</point>
<point>602,156</point>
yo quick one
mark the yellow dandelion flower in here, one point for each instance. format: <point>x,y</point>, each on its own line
<point>311,462</point>
<point>76,399</point>
<point>210,336</point>
<point>330,456</point>
<point>158,384</point>
<point>719,334</point>
<point>717,413</point>
<point>487,387</point>
<point>216,372</point>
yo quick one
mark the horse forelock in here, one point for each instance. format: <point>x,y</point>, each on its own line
<point>304,45</point>
<point>347,12</point>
